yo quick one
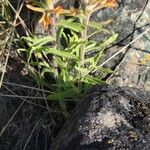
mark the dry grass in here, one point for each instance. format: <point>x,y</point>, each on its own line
<point>27,120</point>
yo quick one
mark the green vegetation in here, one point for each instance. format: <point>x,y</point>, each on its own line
<point>63,62</point>
<point>69,62</point>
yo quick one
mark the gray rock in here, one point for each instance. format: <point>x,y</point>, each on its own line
<point>108,118</point>
<point>130,19</point>
<point>130,71</point>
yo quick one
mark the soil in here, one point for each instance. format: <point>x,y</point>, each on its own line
<point>27,120</point>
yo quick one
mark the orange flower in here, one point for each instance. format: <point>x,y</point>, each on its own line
<point>37,9</point>
<point>99,4</point>
<point>58,10</point>
<point>109,3</point>
<point>46,21</point>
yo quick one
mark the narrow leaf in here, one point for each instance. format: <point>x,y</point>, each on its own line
<point>63,95</point>
<point>109,40</point>
<point>61,53</point>
<point>71,25</point>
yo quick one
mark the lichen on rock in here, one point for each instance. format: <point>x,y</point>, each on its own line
<point>108,118</point>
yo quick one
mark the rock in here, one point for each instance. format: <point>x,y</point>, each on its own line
<point>130,70</point>
<point>130,19</point>
<point>108,118</point>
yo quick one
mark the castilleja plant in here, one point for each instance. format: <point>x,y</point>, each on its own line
<point>71,66</point>
<point>90,7</point>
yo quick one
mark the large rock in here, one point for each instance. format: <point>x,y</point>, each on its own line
<point>109,118</point>
<point>132,20</point>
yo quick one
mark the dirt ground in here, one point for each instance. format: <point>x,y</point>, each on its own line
<point>27,120</point>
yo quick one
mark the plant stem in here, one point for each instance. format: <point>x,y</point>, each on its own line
<point>53,32</point>
<point>84,35</point>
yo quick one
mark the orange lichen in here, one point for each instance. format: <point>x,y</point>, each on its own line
<point>146,59</point>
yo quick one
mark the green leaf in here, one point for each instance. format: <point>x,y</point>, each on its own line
<point>71,25</point>
<point>28,39</point>
<point>65,36</point>
<point>98,56</point>
<point>83,71</point>
<point>37,42</point>
<point>47,69</point>
<point>33,74</point>
<point>95,25</point>
<point>42,41</point>
<point>63,95</point>
<point>90,46</point>
<point>59,35</point>
<point>87,60</point>
<point>93,80</point>
<point>104,70</point>
<point>99,25</point>
<point>61,53</point>
<point>109,41</point>
<point>65,75</point>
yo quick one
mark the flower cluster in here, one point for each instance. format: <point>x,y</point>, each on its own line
<point>90,7</point>
<point>94,5</point>
<point>46,19</point>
